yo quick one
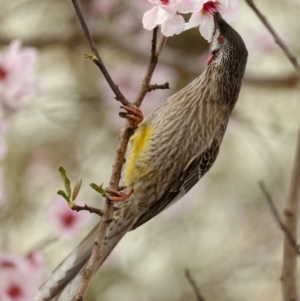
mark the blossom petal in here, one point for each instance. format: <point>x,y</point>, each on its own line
<point>164,15</point>
<point>149,18</point>
<point>187,6</point>
<point>207,27</point>
<point>195,20</point>
<point>173,26</point>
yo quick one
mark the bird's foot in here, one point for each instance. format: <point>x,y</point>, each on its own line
<point>121,188</point>
<point>135,114</point>
<point>120,196</point>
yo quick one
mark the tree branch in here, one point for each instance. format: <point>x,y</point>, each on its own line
<point>156,49</point>
<point>107,214</point>
<point>289,269</point>
<point>292,241</point>
<point>194,285</point>
<point>98,61</point>
<point>277,38</point>
<point>156,87</point>
<point>78,208</point>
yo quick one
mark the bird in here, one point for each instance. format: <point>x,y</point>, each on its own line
<point>169,152</point>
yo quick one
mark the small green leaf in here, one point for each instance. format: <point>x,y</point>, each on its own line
<point>99,189</point>
<point>90,56</point>
<point>63,194</point>
<point>66,181</point>
<point>76,189</point>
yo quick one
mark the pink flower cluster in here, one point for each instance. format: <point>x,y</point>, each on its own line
<point>66,222</point>
<point>20,277</point>
<point>17,75</point>
<point>167,14</point>
<point>17,81</point>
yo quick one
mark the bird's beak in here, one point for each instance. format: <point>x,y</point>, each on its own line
<point>217,18</point>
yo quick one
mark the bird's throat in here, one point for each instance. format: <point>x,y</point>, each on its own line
<point>210,59</point>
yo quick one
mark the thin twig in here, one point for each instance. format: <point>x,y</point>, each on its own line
<point>156,87</point>
<point>277,217</point>
<point>194,285</point>
<point>154,42</point>
<point>77,208</point>
<point>98,61</point>
<point>155,52</point>
<point>108,210</point>
<point>277,38</point>
<point>289,278</point>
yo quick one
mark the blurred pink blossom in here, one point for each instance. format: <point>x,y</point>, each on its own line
<point>19,276</point>
<point>17,75</point>
<point>203,15</point>
<point>129,78</point>
<point>40,168</point>
<point>103,7</point>
<point>260,40</point>
<point>66,222</point>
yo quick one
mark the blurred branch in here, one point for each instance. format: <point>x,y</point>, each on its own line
<point>170,57</point>
<point>274,82</point>
<point>78,208</point>
<point>277,38</point>
<point>289,269</point>
<point>194,285</point>
<point>291,239</point>
<point>156,48</point>
<point>108,210</point>
<point>98,61</point>
<point>155,87</point>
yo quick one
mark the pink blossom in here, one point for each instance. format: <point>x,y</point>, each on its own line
<point>173,26</point>
<point>259,40</point>
<point>40,168</point>
<point>35,263</point>
<point>203,15</point>
<point>103,7</point>
<point>66,222</point>
<point>17,75</point>
<point>165,14</point>
<point>20,277</point>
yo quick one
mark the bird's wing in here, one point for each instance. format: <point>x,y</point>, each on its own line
<point>192,173</point>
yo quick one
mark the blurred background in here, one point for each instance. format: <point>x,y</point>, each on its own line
<point>223,230</point>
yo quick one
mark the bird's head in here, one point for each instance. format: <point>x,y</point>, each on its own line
<point>227,47</point>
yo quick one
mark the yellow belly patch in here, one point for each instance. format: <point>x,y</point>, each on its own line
<point>136,162</point>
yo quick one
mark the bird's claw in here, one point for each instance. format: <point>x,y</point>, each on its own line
<point>135,114</point>
<point>120,196</point>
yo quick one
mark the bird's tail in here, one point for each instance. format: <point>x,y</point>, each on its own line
<point>63,283</point>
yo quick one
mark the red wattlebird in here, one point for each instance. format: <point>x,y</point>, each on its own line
<point>168,154</point>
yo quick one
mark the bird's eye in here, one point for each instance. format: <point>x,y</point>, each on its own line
<point>221,39</point>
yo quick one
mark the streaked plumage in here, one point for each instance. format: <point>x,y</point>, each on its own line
<point>169,152</point>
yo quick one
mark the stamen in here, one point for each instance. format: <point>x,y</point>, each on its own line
<point>210,7</point>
